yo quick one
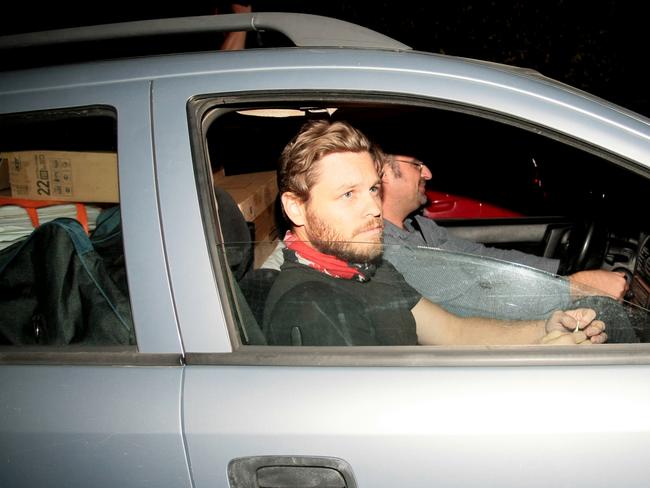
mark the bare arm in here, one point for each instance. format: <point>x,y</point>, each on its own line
<point>436,326</point>
<point>235,41</point>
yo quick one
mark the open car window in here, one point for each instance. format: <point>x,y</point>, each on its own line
<point>522,181</point>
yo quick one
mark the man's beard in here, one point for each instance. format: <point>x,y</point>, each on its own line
<point>422,196</point>
<point>328,241</point>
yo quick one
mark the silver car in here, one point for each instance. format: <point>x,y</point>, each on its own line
<point>188,393</point>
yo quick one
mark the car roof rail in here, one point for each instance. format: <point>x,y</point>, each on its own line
<point>304,30</point>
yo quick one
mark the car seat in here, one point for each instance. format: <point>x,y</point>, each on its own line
<point>251,286</point>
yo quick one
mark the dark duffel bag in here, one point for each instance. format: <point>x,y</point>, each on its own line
<point>57,288</point>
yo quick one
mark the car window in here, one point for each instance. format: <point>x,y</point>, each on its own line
<point>520,172</point>
<point>62,269</point>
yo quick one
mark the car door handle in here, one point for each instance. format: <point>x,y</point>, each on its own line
<point>299,477</point>
<point>290,472</point>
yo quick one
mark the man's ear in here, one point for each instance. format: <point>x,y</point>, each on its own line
<point>294,208</point>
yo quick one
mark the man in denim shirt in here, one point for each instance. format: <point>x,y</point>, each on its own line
<point>474,282</point>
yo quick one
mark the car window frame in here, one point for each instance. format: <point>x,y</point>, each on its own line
<point>84,100</point>
<point>197,109</point>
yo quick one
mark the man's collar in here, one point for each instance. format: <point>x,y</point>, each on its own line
<point>394,230</point>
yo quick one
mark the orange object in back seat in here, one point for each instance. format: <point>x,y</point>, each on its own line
<point>31,206</point>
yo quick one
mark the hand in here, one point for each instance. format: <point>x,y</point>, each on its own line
<point>574,327</point>
<point>610,283</point>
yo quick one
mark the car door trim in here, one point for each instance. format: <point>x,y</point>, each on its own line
<point>424,356</point>
<point>99,357</point>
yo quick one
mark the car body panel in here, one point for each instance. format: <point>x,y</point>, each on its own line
<point>447,206</point>
<point>419,426</point>
<point>198,305</point>
<point>88,426</point>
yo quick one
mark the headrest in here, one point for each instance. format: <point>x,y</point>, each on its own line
<point>236,234</point>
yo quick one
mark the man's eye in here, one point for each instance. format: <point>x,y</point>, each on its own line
<point>347,194</point>
<point>374,189</point>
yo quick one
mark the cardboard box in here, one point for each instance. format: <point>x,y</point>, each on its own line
<point>265,224</point>
<point>4,174</point>
<point>266,234</point>
<point>63,175</point>
<point>253,192</point>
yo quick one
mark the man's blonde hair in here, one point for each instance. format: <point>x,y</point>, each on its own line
<point>298,171</point>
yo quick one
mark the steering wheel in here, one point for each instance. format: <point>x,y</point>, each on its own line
<point>584,248</point>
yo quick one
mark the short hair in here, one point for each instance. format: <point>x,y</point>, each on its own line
<point>316,139</point>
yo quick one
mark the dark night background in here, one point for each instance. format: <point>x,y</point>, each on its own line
<point>597,46</point>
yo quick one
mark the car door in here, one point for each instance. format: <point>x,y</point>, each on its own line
<point>96,414</point>
<point>256,415</point>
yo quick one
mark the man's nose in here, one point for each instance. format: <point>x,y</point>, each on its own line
<point>426,172</point>
<point>373,204</point>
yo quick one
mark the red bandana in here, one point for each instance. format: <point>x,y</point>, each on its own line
<point>325,263</point>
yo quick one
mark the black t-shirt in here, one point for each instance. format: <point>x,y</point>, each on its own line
<point>307,307</point>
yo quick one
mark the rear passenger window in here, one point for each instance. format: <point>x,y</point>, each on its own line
<point>62,273</point>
